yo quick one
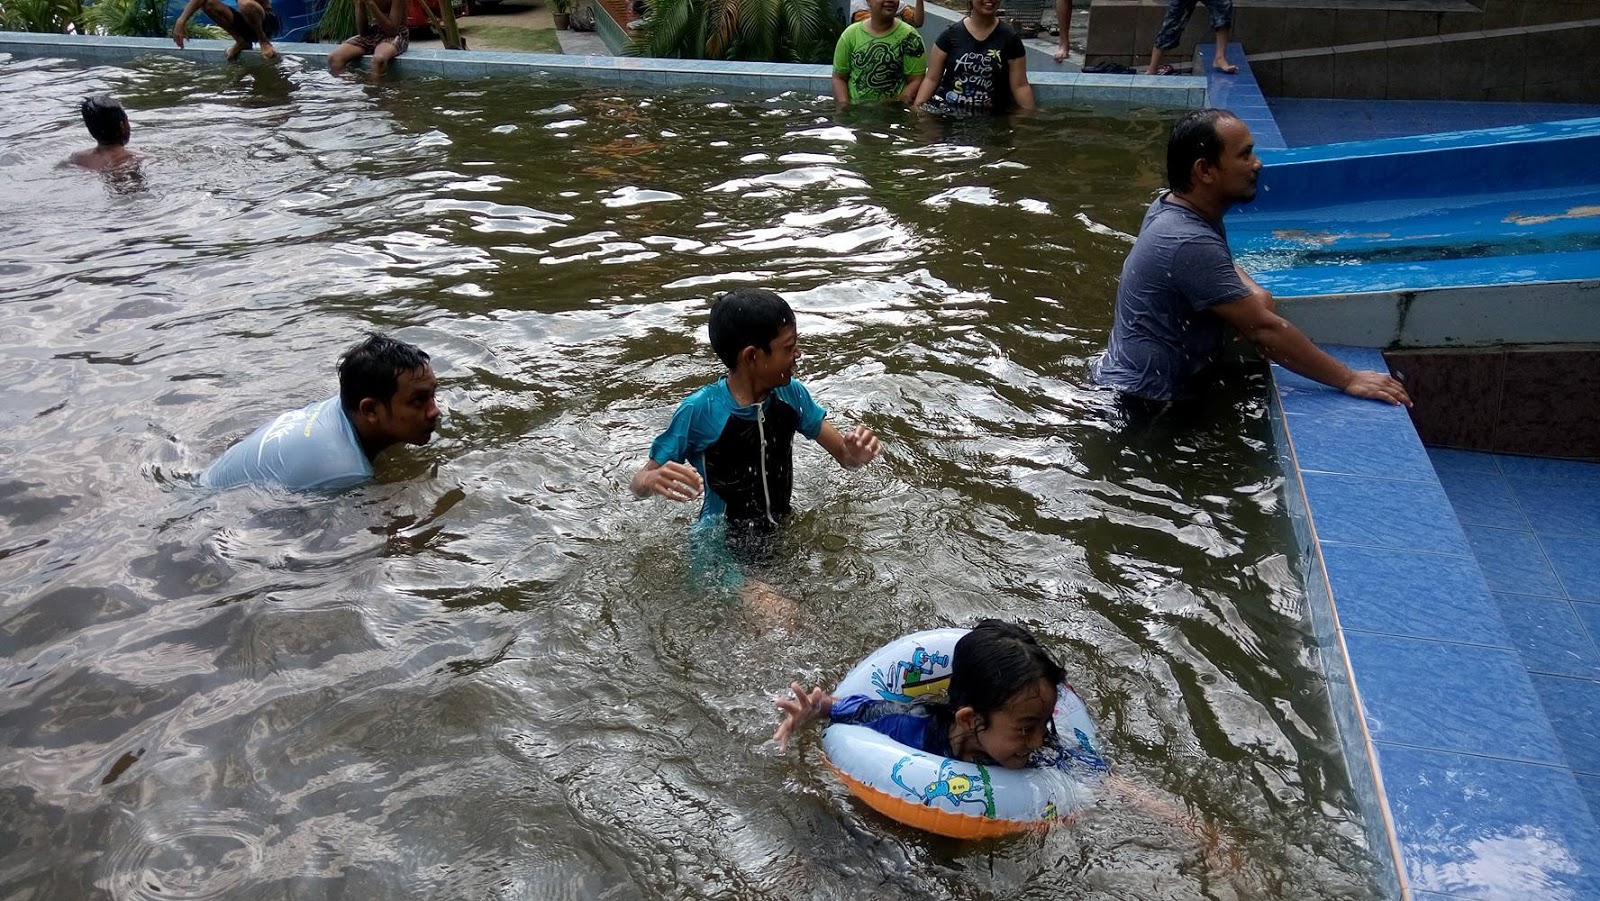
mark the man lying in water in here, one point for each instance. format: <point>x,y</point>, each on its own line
<point>253,21</point>
<point>386,397</point>
<point>108,123</point>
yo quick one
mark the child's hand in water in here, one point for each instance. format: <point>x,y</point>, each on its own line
<point>804,707</point>
<point>861,445</point>
<point>674,481</point>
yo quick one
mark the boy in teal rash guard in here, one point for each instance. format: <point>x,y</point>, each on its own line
<point>879,58</point>
<point>733,440</point>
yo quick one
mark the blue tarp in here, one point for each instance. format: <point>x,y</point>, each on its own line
<point>297,17</point>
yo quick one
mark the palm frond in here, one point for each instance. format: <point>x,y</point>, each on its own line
<point>126,18</point>
<point>338,21</point>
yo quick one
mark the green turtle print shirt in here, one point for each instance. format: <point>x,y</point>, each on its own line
<point>878,66</point>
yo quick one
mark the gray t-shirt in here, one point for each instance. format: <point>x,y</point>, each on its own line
<point>1165,333</point>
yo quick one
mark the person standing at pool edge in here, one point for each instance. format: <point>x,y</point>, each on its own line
<point>386,396</point>
<point>880,58</point>
<point>1180,288</point>
<point>737,435</point>
<point>253,21</point>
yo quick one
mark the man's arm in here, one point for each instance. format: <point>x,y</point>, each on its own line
<point>918,15</point>
<point>1272,302</point>
<point>853,450</point>
<point>1282,343</point>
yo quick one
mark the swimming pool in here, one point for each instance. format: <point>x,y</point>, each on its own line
<point>485,675</point>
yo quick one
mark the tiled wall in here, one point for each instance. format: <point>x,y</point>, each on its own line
<point>1461,775</point>
<point>1418,50</point>
<point>1543,401</point>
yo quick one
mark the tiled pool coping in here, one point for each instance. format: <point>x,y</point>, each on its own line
<point>1107,93</point>
<point>1453,760</point>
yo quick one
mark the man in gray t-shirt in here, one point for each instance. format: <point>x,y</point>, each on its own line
<point>1180,288</point>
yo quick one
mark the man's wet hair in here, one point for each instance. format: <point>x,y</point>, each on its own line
<point>104,117</point>
<point>372,368</point>
<point>746,317</point>
<point>1193,138</point>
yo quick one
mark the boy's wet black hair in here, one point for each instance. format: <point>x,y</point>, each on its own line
<point>104,117</point>
<point>996,661</point>
<point>746,317</point>
<point>372,367</point>
<point>1193,138</point>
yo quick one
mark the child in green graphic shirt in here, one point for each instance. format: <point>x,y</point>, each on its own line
<point>879,58</point>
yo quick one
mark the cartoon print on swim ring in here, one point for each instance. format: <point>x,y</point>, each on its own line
<point>952,797</point>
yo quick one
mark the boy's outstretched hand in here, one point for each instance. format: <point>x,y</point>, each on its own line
<point>853,449</point>
<point>672,480</point>
<point>861,445</point>
<point>803,708</point>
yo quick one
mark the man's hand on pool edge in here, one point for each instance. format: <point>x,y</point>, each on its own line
<point>1377,386</point>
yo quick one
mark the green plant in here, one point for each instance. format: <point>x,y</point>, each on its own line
<point>127,18</point>
<point>39,16</point>
<point>753,30</point>
<point>338,21</point>
<point>561,6</point>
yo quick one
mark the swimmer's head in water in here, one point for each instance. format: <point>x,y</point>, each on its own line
<point>747,317</point>
<point>105,119</point>
<point>387,387</point>
<point>1003,691</point>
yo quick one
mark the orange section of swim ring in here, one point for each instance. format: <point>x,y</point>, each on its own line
<point>932,819</point>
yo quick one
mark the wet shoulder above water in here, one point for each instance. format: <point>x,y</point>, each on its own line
<point>488,674</point>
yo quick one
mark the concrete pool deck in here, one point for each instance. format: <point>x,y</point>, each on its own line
<point>1101,93</point>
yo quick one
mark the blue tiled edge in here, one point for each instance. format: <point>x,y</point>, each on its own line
<point>1371,658</point>
<point>1110,93</point>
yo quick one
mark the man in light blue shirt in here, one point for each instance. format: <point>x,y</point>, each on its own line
<point>386,397</point>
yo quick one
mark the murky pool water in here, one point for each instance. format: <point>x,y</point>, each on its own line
<point>487,675</point>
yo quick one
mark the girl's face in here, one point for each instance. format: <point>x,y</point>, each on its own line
<point>1012,733</point>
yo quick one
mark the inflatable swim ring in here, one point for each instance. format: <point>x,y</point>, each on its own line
<point>951,797</point>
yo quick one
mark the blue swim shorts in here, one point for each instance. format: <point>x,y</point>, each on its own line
<point>1178,12</point>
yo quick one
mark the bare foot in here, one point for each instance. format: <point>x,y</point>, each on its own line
<point>1225,67</point>
<point>268,52</point>
<point>234,51</point>
<point>768,606</point>
<point>1061,53</point>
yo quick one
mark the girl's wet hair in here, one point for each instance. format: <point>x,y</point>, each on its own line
<point>996,661</point>
<point>104,118</point>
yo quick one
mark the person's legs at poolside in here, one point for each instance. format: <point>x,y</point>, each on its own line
<point>1222,24</point>
<point>388,49</point>
<point>1063,22</point>
<point>1172,25</point>
<point>348,52</point>
<point>247,25</point>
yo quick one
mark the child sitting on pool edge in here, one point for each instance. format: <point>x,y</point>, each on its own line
<point>733,440</point>
<point>1002,699</point>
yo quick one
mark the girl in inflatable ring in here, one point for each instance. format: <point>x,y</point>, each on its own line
<point>1001,694</point>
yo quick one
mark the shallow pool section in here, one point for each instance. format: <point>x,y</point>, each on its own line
<point>1457,585</point>
<point>487,674</point>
